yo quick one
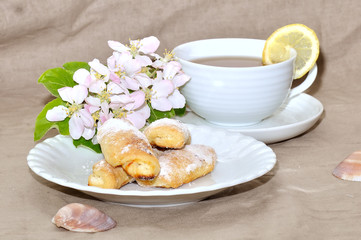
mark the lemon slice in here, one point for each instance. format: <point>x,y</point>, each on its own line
<point>297,36</point>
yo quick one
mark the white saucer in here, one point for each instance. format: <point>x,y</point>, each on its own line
<point>295,117</point>
<point>240,159</point>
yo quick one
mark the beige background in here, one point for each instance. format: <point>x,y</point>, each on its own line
<point>298,199</point>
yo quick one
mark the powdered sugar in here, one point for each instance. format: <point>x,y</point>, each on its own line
<point>173,122</point>
<point>126,149</point>
<point>197,155</point>
<point>115,125</point>
<point>193,166</point>
<point>202,152</point>
<point>165,168</point>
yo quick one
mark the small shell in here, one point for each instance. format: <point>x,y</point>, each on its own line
<point>350,168</point>
<point>82,218</point>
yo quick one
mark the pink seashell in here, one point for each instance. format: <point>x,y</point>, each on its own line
<point>82,218</point>
<point>350,168</point>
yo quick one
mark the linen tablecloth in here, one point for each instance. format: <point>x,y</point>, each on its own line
<point>298,199</point>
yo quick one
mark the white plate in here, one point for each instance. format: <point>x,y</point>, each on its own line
<point>240,159</point>
<point>295,117</point>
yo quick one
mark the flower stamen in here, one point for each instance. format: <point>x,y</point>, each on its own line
<point>168,55</point>
<point>96,117</point>
<point>73,108</point>
<point>120,113</point>
<point>148,94</point>
<point>104,96</point>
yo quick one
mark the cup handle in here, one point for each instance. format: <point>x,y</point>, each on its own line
<point>311,76</point>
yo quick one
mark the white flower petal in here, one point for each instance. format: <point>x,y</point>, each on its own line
<point>66,94</point>
<point>115,88</point>
<point>58,113</point>
<point>131,67</point>
<point>158,64</point>
<point>120,99</point>
<point>143,80</point>
<point>97,86</point>
<point>131,83</point>
<point>82,77</point>
<point>94,101</point>
<point>115,106</point>
<point>104,116</point>
<point>177,99</point>
<point>144,111</point>
<point>79,93</point>
<point>114,78</point>
<point>105,113</point>
<point>180,79</point>
<point>99,67</point>
<point>111,62</point>
<point>91,108</point>
<point>137,119</point>
<point>105,107</point>
<point>161,104</point>
<point>123,58</point>
<point>171,69</point>
<point>149,45</point>
<point>76,126</point>
<point>138,97</point>
<point>143,60</point>
<point>117,46</point>
<point>88,133</point>
<point>162,88</point>
<point>87,118</point>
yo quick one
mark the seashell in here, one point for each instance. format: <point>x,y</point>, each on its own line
<point>350,168</point>
<point>79,217</point>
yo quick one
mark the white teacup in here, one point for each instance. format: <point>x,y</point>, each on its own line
<point>236,96</point>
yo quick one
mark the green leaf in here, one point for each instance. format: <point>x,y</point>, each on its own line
<point>156,114</point>
<point>42,125</point>
<point>87,143</point>
<point>56,78</point>
<point>180,111</point>
<point>73,66</point>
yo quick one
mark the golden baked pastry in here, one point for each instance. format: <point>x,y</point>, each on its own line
<point>124,145</point>
<point>182,166</point>
<point>106,176</point>
<point>167,133</point>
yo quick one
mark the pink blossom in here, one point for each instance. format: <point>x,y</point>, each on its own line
<point>123,69</point>
<point>157,91</point>
<point>81,121</point>
<point>105,113</point>
<point>172,71</point>
<point>112,94</point>
<point>137,48</point>
<point>161,62</point>
<point>137,100</point>
<point>82,77</point>
<point>117,46</point>
<point>160,93</point>
<point>134,79</point>
<point>139,116</point>
<point>99,71</point>
<point>146,45</point>
<point>118,101</point>
<point>74,95</point>
<point>134,110</point>
<point>144,80</point>
<point>98,75</point>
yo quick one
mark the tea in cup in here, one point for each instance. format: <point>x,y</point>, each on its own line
<point>229,86</point>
